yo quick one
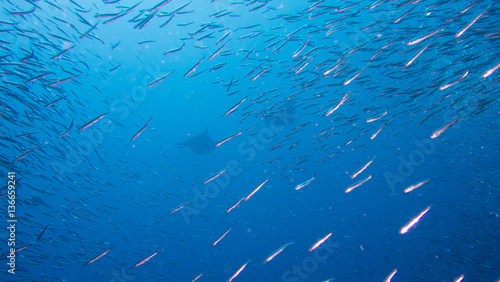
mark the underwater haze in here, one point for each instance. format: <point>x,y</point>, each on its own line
<point>252,140</point>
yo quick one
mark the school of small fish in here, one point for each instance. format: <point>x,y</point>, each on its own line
<point>307,96</point>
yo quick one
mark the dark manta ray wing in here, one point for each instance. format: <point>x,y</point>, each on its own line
<point>200,144</point>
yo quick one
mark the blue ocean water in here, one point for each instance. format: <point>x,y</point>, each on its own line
<point>318,140</point>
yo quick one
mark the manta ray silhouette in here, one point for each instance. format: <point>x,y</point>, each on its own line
<point>200,144</point>
<point>281,115</point>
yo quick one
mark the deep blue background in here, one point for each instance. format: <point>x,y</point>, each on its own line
<point>97,189</point>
